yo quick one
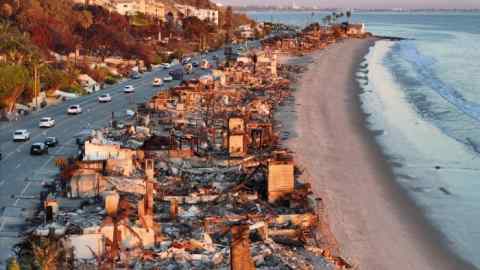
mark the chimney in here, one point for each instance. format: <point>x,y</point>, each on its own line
<point>149,169</point>
<point>240,256</point>
<point>111,203</point>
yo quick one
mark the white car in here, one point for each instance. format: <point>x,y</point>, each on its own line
<point>168,78</point>
<point>128,89</point>
<point>74,109</point>
<point>104,98</point>
<point>165,65</point>
<point>46,122</point>
<point>21,135</point>
<point>186,60</point>
<point>157,82</point>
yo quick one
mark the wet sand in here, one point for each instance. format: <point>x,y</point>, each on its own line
<point>375,223</point>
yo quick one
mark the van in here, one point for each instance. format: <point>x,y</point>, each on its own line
<point>177,74</point>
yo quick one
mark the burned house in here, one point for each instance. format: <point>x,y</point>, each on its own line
<point>196,180</point>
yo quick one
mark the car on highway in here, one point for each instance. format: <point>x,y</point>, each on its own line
<point>51,141</point>
<point>186,60</point>
<point>0,155</point>
<point>74,109</point>
<point>178,74</point>
<point>46,122</point>
<point>21,135</point>
<point>104,98</point>
<point>157,82</point>
<point>38,148</point>
<point>165,65</point>
<point>204,65</point>
<point>128,89</point>
<point>195,64</point>
<point>130,113</point>
<point>215,57</point>
<point>136,75</point>
<point>168,78</point>
<point>188,68</point>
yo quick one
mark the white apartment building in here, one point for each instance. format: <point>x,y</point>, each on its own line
<point>104,3</point>
<point>201,13</point>
<point>125,7</point>
<point>154,8</point>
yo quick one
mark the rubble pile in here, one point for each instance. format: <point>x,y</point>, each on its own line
<point>313,37</point>
<point>195,179</point>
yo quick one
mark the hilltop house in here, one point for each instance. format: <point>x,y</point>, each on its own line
<point>210,15</point>
<point>154,8</point>
<point>88,83</point>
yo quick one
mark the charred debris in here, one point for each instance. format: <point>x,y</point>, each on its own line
<point>195,178</point>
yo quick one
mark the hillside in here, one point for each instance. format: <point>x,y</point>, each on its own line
<point>35,32</point>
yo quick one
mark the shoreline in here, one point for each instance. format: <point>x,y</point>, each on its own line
<point>376,224</point>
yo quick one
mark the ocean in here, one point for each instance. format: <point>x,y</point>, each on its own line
<point>423,98</point>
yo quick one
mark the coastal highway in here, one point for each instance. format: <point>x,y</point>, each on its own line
<point>22,175</point>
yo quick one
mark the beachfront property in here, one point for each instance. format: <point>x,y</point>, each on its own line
<point>246,31</point>
<point>356,29</point>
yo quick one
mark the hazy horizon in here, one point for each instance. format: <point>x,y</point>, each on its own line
<point>366,4</point>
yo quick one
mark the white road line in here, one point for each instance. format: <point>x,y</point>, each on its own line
<point>24,190</point>
<point>22,193</point>
<point>3,223</point>
<point>93,105</point>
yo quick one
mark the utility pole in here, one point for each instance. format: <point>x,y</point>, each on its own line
<point>35,85</point>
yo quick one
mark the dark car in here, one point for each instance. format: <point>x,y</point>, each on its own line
<point>195,64</point>
<point>38,149</point>
<point>136,75</point>
<point>0,155</point>
<point>51,141</point>
<point>177,74</point>
<point>186,60</point>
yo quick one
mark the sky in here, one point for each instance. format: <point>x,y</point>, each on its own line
<point>379,4</point>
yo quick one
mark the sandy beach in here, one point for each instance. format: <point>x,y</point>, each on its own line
<point>376,225</point>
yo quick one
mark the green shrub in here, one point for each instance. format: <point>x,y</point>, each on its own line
<point>111,80</point>
<point>159,58</point>
<point>13,264</point>
<point>75,89</point>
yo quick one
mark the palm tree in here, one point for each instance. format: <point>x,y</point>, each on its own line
<point>6,10</point>
<point>85,21</point>
<point>15,46</point>
<point>324,21</point>
<point>46,251</point>
<point>328,18</point>
<point>227,26</point>
<point>13,81</point>
<point>349,15</point>
<point>13,264</point>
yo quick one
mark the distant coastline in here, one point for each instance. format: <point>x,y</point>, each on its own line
<point>314,9</point>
